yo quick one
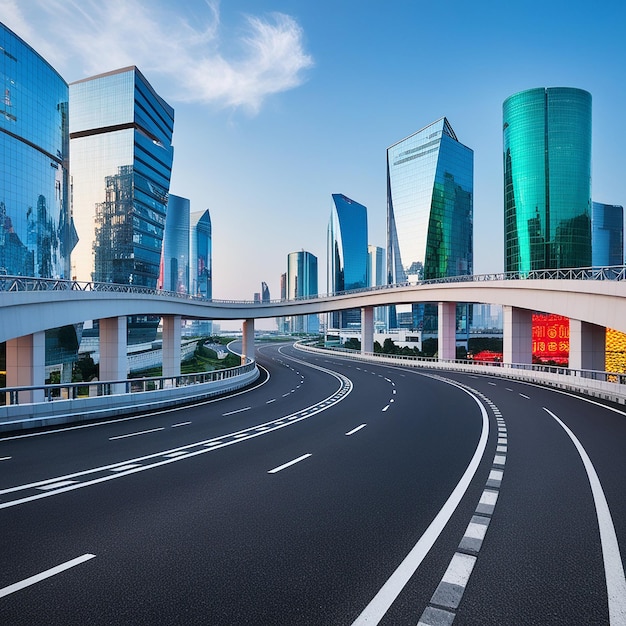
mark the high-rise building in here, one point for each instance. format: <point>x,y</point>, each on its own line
<point>176,242</point>
<point>346,254</point>
<point>302,283</point>
<point>607,234</point>
<point>36,230</point>
<point>265,292</point>
<point>430,187</point>
<point>36,233</point>
<point>547,179</point>
<point>201,263</point>
<point>121,162</point>
<point>376,276</point>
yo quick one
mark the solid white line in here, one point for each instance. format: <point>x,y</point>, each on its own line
<point>43,575</point>
<point>123,468</point>
<point>247,408</point>
<point>181,424</point>
<point>356,430</point>
<point>613,567</point>
<point>141,432</point>
<point>379,605</point>
<point>289,464</point>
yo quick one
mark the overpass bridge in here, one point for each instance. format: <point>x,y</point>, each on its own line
<point>593,298</point>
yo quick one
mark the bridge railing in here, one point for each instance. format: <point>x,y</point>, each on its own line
<point>24,283</point>
<point>73,391</point>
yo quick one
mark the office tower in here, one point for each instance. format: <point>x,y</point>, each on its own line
<point>36,230</point>
<point>176,242</point>
<point>201,263</point>
<point>376,276</point>
<point>265,292</point>
<point>302,283</point>
<point>430,184</point>
<point>283,322</point>
<point>346,255</point>
<point>121,161</point>
<point>547,179</point>
<point>36,233</point>
<point>607,234</point>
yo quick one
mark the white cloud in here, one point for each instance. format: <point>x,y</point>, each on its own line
<point>86,37</point>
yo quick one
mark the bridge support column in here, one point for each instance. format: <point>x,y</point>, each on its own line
<point>26,365</point>
<point>446,331</point>
<point>587,346</point>
<point>113,359</point>
<point>518,336</point>
<point>171,345</point>
<point>367,329</point>
<point>247,340</point>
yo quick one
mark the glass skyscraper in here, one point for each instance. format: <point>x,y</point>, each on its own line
<point>176,245</point>
<point>430,185</point>
<point>547,179</point>
<point>36,233</point>
<point>346,254</point>
<point>121,162</point>
<point>302,283</point>
<point>607,234</point>
<point>201,254</point>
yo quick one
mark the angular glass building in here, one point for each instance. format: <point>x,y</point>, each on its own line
<point>430,187</point>
<point>547,179</point>
<point>201,254</point>
<point>121,163</point>
<point>302,283</point>
<point>346,254</point>
<point>36,233</point>
<point>607,234</point>
<point>176,245</point>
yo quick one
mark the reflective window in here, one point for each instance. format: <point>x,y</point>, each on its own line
<point>607,235</point>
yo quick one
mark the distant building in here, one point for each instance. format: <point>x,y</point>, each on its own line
<point>283,322</point>
<point>430,190</point>
<point>121,162</point>
<point>201,263</point>
<point>607,235</point>
<point>547,179</point>
<point>176,242</point>
<point>265,292</point>
<point>346,255</point>
<point>376,276</point>
<point>302,283</point>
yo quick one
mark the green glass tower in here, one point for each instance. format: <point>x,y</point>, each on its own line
<point>547,179</point>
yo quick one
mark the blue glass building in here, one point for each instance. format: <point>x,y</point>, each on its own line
<point>301,282</point>
<point>607,234</point>
<point>346,254</point>
<point>547,179</point>
<point>36,234</point>
<point>201,277</point>
<point>430,185</point>
<point>176,245</point>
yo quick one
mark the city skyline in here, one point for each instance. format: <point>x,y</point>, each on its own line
<point>319,123</point>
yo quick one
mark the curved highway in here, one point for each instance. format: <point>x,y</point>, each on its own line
<point>333,492</point>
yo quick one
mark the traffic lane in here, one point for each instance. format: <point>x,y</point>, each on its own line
<point>541,560</point>
<point>63,452</point>
<point>309,544</point>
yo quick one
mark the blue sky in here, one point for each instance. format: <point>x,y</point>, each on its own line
<point>280,103</point>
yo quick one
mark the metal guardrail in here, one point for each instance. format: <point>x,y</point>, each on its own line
<point>23,283</point>
<point>65,391</point>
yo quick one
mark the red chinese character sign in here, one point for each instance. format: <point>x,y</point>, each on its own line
<point>550,339</point>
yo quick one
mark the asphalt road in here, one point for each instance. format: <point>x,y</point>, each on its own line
<point>335,493</point>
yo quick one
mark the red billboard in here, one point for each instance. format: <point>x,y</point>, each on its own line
<point>550,339</point>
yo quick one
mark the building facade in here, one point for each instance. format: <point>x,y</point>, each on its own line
<point>176,243</point>
<point>201,263</point>
<point>36,232</point>
<point>302,283</point>
<point>376,275</point>
<point>607,234</point>
<point>547,179</point>
<point>430,188</point>
<point>346,254</point>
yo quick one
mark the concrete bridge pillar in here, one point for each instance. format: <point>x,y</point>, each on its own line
<point>587,346</point>
<point>367,329</point>
<point>113,359</point>
<point>446,331</point>
<point>518,336</point>
<point>171,345</point>
<point>26,365</point>
<point>247,340</point>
